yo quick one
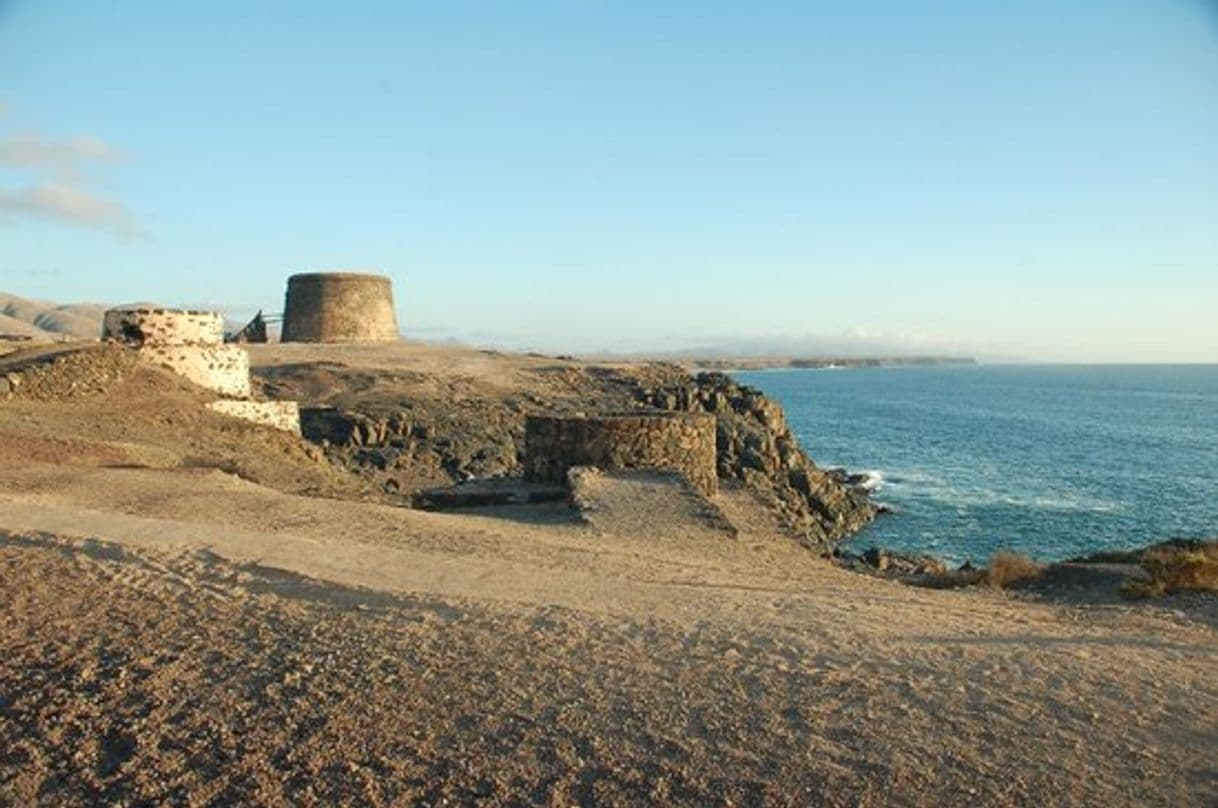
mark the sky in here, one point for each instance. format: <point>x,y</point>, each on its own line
<point>1035,179</point>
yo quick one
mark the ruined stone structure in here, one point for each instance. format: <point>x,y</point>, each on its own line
<point>163,327</point>
<point>283,415</point>
<point>681,442</point>
<point>339,307</point>
<point>191,344</point>
<point>758,449</point>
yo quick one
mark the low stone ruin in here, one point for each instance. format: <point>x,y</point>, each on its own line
<point>757,448</point>
<point>661,441</point>
<point>283,415</point>
<point>191,344</point>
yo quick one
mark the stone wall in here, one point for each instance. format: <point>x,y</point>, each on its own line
<point>283,415</point>
<point>190,343</point>
<point>681,442</point>
<point>756,447</point>
<point>163,326</point>
<point>223,368</point>
<point>339,307</point>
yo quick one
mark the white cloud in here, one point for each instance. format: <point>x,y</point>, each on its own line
<point>67,204</point>
<point>64,159</point>
<point>58,189</point>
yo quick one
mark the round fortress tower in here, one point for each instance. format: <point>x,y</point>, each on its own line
<point>339,307</point>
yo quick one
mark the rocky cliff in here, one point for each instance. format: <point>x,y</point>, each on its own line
<point>409,431</point>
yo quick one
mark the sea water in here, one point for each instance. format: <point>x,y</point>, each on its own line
<point>1055,461</point>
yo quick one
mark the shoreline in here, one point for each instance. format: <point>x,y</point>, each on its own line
<point>1129,572</point>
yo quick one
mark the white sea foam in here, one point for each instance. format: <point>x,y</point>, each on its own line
<point>964,499</point>
<point>873,480</point>
<point>907,485</point>
<point>916,480</point>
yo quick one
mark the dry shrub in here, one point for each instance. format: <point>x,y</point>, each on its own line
<point>1008,569</point>
<point>1176,569</point>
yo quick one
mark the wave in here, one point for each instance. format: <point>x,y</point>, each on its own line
<point>872,480</point>
<point>903,486</point>
<point>1041,502</point>
<point>912,478</point>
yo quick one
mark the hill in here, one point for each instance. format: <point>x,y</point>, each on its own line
<point>42,321</point>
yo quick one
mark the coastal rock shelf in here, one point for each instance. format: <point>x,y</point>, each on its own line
<point>680,442</point>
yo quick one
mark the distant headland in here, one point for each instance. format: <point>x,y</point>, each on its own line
<point>827,362</point>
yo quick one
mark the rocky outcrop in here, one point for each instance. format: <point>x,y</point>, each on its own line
<point>891,564</point>
<point>408,443</point>
<point>418,446</point>
<point>755,446</point>
<point>60,374</point>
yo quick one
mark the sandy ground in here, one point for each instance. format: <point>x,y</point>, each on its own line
<point>174,633</point>
<point>191,636</point>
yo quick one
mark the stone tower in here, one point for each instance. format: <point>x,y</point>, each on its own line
<point>339,307</point>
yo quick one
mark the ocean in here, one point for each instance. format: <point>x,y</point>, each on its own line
<point>1053,460</point>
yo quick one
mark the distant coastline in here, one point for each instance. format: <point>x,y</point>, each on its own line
<point>828,363</point>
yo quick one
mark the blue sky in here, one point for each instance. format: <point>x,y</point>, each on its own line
<point>1036,179</point>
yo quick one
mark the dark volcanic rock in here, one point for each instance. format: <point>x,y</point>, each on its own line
<point>894,565</point>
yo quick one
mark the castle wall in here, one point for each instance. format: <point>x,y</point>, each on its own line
<point>681,442</point>
<point>339,307</point>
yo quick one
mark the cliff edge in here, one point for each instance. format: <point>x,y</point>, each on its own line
<point>409,418</point>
